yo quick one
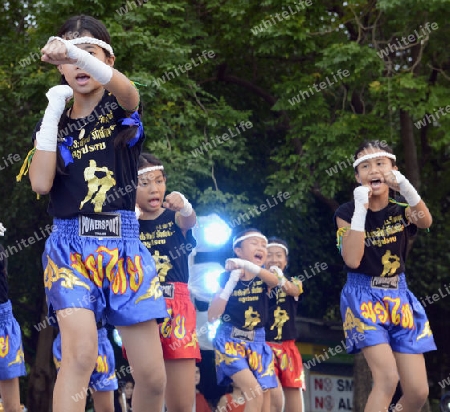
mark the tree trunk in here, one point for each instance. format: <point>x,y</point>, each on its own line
<point>412,171</point>
<point>43,372</point>
<point>362,383</point>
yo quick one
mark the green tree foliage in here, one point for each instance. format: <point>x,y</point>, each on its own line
<point>313,79</point>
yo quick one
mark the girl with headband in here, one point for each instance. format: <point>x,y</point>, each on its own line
<point>382,318</point>
<point>95,268</point>
<point>281,333</point>
<point>12,363</point>
<point>242,355</point>
<point>165,223</point>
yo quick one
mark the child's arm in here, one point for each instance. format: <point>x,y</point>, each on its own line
<point>417,212</point>
<point>185,217</point>
<point>43,163</point>
<point>218,304</point>
<point>353,234</point>
<point>270,278</point>
<point>292,287</point>
<point>59,51</point>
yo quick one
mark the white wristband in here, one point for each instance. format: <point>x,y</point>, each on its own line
<point>245,264</point>
<point>187,207</point>
<point>359,218</point>
<point>280,275</point>
<point>407,190</point>
<point>47,137</point>
<point>230,285</point>
<point>97,69</point>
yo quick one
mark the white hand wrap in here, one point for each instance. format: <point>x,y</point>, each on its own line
<point>280,275</point>
<point>187,207</point>
<point>235,275</point>
<point>47,137</point>
<point>246,265</point>
<point>407,190</point>
<point>361,196</point>
<point>97,69</point>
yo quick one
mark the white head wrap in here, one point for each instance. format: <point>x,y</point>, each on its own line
<point>361,159</point>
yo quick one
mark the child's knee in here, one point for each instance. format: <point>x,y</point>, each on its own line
<point>388,382</point>
<point>81,355</point>
<point>154,382</point>
<point>417,396</point>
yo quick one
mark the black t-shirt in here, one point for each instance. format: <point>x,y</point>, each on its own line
<point>3,273</point>
<point>386,239</point>
<point>168,246</point>
<point>103,175</point>
<point>282,310</point>
<point>247,307</point>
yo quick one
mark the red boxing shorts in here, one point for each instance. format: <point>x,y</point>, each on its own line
<point>288,364</point>
<point>178,332</point>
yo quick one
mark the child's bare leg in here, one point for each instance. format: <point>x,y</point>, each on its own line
<point>413,379</point>
<point>103,401</point>
<point>78,358</point>
<point>276,398</point>
<point>180,390</point>
<point>293,400</point>
<point>144,354</point>
<point>10,395</point>
<point>251,390</point>
<point>385,377</point>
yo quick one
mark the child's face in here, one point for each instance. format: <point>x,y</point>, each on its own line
<point>276,256</point>
<point>129,389</point>
<point>150,191</point>
<point>253,249</point>
<point>79,80</point>
<point>197,375</point>
<point>372,172</point>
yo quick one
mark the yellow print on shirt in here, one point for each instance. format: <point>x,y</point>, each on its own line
<point>97,186</point>
<point>281,317</point>
<point>252,318</point>
<point>390,264</point>
<point>163,265</point>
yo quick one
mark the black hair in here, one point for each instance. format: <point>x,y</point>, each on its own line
<point>374,144</point>
<point>148,159</point>
<point>79,26</point>
<point>243,233</point>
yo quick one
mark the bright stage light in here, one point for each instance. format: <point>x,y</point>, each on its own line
<point>204,280</point>
<point>445,402</point>
<point>211,233</point>
<point>117,338</point>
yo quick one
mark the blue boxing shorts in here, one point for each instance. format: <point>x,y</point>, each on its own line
<point>12,363</point>
<point>248,350</point>
<point>97,262</point>
<point>379,310</point>
<point>103,378</point>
